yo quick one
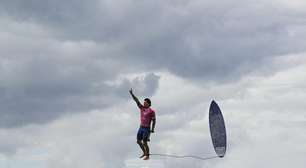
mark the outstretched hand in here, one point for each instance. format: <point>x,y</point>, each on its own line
<point>131,91</point>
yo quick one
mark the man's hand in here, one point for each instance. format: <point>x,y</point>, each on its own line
<point>152,131</point>
<point>131,91</point>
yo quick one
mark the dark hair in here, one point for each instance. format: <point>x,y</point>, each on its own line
<point>148,101</point>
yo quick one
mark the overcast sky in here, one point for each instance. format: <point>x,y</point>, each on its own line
<point>66,68</point>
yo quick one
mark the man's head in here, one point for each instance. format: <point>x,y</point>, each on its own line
<point>147,102</point>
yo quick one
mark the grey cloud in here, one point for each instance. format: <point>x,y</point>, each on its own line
<point>43,78</point>
<point>221,48</point>
<point>79,20</point>
<point>146,84</point>
<point>46,76</point>
<point>41,89</point>
<point>216,41</point>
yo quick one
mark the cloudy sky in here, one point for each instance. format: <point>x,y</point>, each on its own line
<point>66,68</point>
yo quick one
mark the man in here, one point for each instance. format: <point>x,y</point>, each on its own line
<point>146,116</point>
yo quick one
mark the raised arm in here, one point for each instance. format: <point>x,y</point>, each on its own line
<point>136,99</point>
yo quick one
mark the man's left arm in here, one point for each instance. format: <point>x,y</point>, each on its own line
<point>153,123</point>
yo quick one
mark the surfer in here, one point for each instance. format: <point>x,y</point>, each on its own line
<point>146,116</point>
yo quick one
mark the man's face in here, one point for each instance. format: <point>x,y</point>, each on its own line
<point>146,104</point>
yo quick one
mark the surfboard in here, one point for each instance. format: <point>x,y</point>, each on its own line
<point>217,129</point>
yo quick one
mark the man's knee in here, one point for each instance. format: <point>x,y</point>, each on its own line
<point>145,143</point>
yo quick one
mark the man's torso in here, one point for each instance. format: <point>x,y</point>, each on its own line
<point>146,115</point>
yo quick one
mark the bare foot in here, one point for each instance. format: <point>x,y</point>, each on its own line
<point>146,158</point>
<point>143,155</point>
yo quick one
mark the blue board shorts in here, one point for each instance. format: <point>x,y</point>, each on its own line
<point>143,133</point>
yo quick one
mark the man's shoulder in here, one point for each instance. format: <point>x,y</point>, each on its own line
<point>152,110</point>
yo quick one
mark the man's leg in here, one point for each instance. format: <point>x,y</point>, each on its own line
<point>147,150</point>
<point>139,141</point>
<point>142,148</point>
